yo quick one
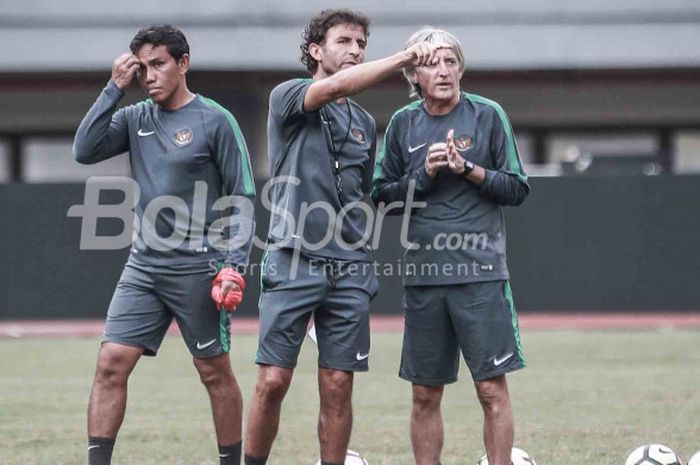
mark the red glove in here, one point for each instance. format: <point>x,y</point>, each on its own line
<point>233,297</point>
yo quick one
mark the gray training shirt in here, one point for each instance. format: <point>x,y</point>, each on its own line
<point>183,161</point>
<point>308,209</point>
<point>461,233</point>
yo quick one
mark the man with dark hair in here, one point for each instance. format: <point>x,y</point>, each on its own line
<point>185,151</point>
<point>315,32</point>
<point>458,153</point>
<point>173,39</point>
<point>321,150</point>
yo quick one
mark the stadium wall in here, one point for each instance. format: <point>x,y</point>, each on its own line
<point>577,244</point>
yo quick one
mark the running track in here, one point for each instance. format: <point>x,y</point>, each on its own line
<point>381,323</point>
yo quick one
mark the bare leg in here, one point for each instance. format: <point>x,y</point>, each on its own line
<point>335,415</point>
<point>107,405</point>
<point>264,415</point>
<point>498,419</point>
<point>427,432</point>
<point>225,396</point>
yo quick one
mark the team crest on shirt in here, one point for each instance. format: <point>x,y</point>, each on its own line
<point>358,134</point>
<point>464,142</point>
<point>183,137</point>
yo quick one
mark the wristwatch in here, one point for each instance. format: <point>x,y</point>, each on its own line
<point>468,167</point>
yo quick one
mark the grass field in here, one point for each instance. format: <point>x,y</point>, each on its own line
<point>587,397</point>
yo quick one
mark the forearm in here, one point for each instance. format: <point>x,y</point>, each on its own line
<point>241,234</point>
<point>358,78</point>
<point>95,139</point>
<point>353,80</point>
<point>386,191</point>
<point>477,176</point>
<point>504,188</point>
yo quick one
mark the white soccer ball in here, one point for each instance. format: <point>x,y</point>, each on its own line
<point>653,454</point>
<point>695,459</point>
<point>517,457</point>
<point>352,458</point>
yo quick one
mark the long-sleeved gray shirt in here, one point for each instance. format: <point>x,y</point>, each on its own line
<point>183,162</point>
<point>460,235</point>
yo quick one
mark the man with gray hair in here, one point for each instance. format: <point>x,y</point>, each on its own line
<point>458,152</point>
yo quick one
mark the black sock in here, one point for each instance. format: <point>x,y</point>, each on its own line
<point>248,460</point>
<point>329,463</point>
<point>230,455</point>
<point>100,451</point>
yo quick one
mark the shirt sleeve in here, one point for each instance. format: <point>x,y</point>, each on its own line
<point>233,161</point>
<point>367,175</point>
<point>287,99</point>
<point>102,133</point>
<point>391,182</point>
<point>506,184</point>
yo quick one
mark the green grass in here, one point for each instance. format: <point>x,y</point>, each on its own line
<point>587,397</point>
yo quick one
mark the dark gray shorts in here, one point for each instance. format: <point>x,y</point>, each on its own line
<point>337,293</point>
<point>478,319</point>
<point>144,303</point>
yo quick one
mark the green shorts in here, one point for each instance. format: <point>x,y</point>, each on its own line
<point>337,294</point>
<point>477,319</point>
<point>145,303</point>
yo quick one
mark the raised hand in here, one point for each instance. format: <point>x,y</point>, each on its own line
<point>124,68</point>
<point>424,53</point>
<point>436,159</point>
<point>454,160</point>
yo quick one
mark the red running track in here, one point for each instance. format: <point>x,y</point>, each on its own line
<point>381,323</point>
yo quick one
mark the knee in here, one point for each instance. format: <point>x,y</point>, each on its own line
<point>210,378</point>
<point>492,394</point>
<point>111,372</point>
<point>427,398</point>
<point>213,373</point>
<point>271,387</point>
<point>336,385</point>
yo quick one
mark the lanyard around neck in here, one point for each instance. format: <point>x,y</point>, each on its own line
<point>328,134</point>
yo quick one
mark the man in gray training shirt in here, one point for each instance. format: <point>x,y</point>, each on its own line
<point>321,151</point>
<point>186,151</point>
<point>456,151</point>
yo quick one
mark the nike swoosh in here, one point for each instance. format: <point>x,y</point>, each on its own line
<point>417,147</point>
<point>93,447</point>
<point>361,357</point>
<point>499,361</point>
<point>144,134</point>
<point>204,346</point>
<point>223,456</point>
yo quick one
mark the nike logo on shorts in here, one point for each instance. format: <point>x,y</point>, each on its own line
<point>143,133</point>
<point>204,346</point>
<point>360,356</point>
<point>500,361</point>
<point>417,147</point>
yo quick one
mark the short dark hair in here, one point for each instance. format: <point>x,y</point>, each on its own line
<point>161,34</point>
<point>315,32</point>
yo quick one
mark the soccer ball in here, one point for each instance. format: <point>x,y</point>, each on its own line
<point>352,458</point>
<point>695,459</point>
<point>517,457</point>
<point>652,454</point>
